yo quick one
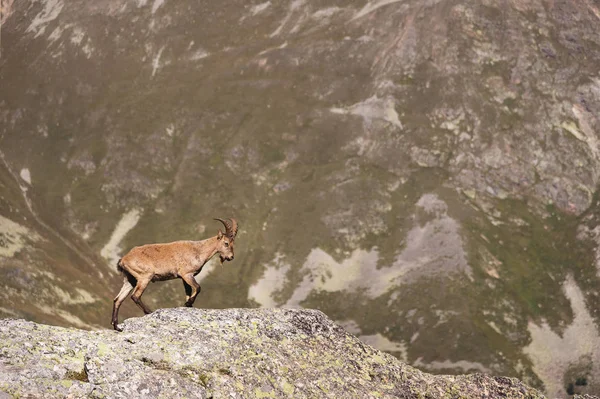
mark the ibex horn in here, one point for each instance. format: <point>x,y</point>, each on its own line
<point>231,227</point>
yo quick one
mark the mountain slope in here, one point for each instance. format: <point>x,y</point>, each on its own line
<point>424,172</point>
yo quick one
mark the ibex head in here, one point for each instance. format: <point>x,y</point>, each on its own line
<point>225,247</point>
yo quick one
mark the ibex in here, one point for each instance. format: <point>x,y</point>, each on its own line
<point>179,259</point>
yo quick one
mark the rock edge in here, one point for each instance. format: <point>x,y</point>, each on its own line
<point>229,353</point>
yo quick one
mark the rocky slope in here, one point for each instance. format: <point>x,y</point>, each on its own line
<point>423,171</point>
<point>234,353</point>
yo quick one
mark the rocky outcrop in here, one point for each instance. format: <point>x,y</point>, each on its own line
<point>425,172</point>
<point>232,353</point>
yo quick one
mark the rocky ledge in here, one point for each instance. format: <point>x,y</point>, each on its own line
<point>232,353</point>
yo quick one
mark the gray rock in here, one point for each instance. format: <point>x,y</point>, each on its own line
<point>231,353</point>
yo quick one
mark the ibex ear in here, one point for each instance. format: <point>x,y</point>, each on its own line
<point>219,235</point>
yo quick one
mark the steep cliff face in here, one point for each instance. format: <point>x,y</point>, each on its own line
<point>424,172</point>
<point>235,353</point>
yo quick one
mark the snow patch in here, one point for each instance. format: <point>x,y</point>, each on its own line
<point>273,278</point>
<point>170,130</point>
<point>6,11</point>
<point>128,221</point>
<point>585,132</point>
<point>207,269</point>
<point>74,320</point>
<point>326,12</point>
<point>322,273</point>
<point>87,50</point>
<point>157,4</point>
<point>552,354</point>
<point>52,9</point>
<point>13,237</point>
<point>380,342</point>
<point>280,47</point>
<point>293,7</point>
<point>373,108</point>
<point>422,254</point>
<point>351,326</point>
<point>464,365</point>
<point>79,297</point>
<point>199,54</point>
<point>77,36</point>
<point>257,9</point>
<point>25,175</point>
<point>10,312</point>
<point>372,6</point>
<point>156,61</point>
<point>57,32</point>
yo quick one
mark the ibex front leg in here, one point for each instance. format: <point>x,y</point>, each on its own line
<point>192,289</point>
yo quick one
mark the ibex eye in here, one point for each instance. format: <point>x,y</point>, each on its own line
<point>226,244</point>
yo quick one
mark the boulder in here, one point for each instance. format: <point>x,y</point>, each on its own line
<point>221,353</point>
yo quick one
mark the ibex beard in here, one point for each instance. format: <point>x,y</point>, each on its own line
<point>180,259</point>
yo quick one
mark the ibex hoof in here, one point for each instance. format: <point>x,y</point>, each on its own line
<point>117,328</point>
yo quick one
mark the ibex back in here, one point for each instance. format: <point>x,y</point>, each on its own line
<point>179,259</point>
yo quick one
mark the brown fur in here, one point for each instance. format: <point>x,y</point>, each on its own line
<point>180,259</point>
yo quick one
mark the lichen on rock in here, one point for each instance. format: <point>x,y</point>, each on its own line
<point>229,353</point>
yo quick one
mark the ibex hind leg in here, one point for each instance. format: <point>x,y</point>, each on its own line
<point>137,294</point>
<point>124,293</point>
